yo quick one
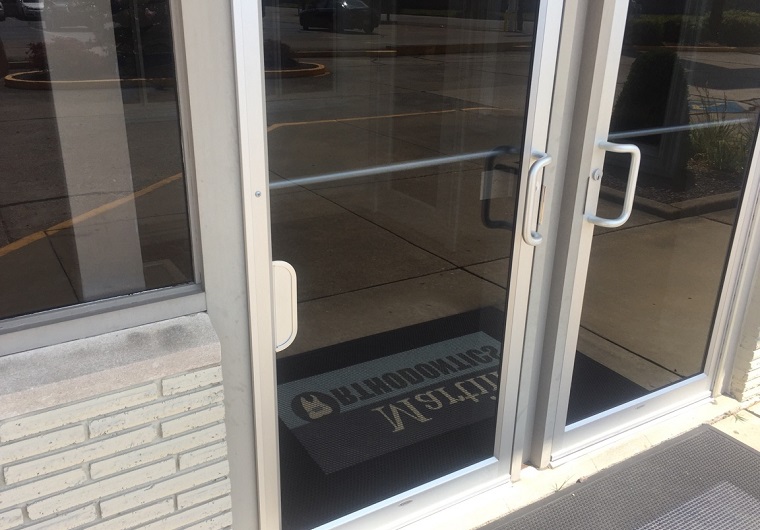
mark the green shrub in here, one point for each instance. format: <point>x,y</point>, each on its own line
<point>653,30</point>
<point>671,30</point>
<point>694,31</point>
<point>740,28</point>
<point>644,31</point>
<point>724,146</point>
<point>744,5</point>
<point>37,54</point>
<point>278,55</point>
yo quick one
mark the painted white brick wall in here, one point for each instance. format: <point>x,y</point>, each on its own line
<point>11,519</point>
<point>193,515</point>
<point>79,412</point>
<point>80,454</point>
<point>745,378</point>
<point>137,518</point>
<point>150,456</point>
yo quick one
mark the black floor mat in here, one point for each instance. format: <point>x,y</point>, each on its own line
<point>596,388</point>
<point>373,417</point>
<point>703,480</point>
<point>317,489</point>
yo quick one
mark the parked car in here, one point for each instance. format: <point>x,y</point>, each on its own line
<point>28,9</point>
<point>338,15</point>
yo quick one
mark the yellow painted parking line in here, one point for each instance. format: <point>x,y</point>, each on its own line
<point>68,223</point>
<point>275,126</point>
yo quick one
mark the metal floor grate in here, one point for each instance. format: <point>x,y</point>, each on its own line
<point>701,480</point>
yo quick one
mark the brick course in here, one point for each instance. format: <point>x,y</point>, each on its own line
<point>151,456</point>
<point>82,452</point>
<point>745,378</point>
<point>11,519</point>
<point>59,416</point>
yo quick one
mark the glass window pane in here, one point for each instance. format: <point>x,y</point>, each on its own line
<point>690,103</point>
<point>394,156</point>
<point>92,189</point>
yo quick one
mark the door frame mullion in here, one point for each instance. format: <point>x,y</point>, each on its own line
<point>249,69</point>
<point>512,432</point>
<point>592,37</point>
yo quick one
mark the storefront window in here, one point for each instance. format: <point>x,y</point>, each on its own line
<point>92,184</point>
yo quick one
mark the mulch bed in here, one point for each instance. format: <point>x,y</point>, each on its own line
<point>706,183</point>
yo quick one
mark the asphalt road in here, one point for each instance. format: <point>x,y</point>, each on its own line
<point>371,112</point>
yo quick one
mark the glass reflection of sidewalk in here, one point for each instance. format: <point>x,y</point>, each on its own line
<point>651,296</point>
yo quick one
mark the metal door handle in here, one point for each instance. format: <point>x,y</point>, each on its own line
<point>530,236</point>
<point>630,189</point>
<point>285,290</point>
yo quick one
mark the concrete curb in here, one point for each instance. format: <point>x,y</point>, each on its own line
<point>315,70</point>
<point>679,48</point>
<point>678,210</point>
<point>16,81</point>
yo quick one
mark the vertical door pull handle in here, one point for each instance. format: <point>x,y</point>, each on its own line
<point>630,189</point>
<point>285,283</point>
<point>530,236</point>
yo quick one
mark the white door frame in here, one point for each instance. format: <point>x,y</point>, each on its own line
<point>412,505</point>
<point>590,50</point>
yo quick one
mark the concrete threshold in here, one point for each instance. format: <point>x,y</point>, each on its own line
<point>480,509</point>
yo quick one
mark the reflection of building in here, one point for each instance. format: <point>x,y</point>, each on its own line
<point>144,325</point>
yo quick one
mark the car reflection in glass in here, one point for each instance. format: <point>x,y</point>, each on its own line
<point>29,9</point>
<point>339,15</point>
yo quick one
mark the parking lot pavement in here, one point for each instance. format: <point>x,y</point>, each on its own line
<point>282,24</point>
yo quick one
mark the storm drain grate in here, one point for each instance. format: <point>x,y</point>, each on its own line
<point>701,480</point>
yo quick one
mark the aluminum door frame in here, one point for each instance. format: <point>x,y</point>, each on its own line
<point>415,504</point>
<point>587,70</point>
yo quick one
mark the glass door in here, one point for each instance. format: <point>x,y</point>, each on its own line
<point>660,268</point>
<point>405,163</point>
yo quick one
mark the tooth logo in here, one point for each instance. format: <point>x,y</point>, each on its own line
<point>314,406</point>
<point>315,409</point>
